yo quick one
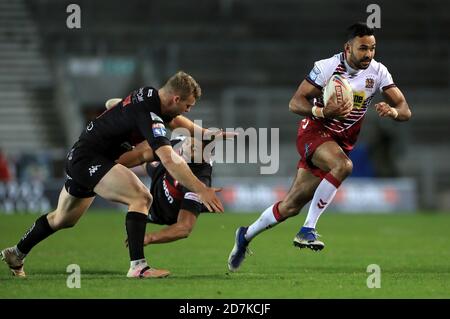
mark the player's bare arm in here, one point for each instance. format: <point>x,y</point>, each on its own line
<point>141,154</point>
<point>178,168</point>
<point>181,229</point>
<point>300,104</point>
<point>395,106</point>
<point>182,121</point>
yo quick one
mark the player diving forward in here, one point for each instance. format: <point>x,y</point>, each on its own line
<point>326,135</point>
<point>92,169</point>
<point>173,204</point>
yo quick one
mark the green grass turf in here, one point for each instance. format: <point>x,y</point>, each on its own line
<point>413,252</point>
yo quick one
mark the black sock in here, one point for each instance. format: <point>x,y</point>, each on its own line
<point>37,233</point>
<point>135,224</point>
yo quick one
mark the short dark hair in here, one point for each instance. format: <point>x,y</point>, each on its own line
<point>184,85</point>
<point>359,29</point>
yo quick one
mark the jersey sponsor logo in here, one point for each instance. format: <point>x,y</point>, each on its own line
<point>155,117</point>
<point>93,169</point>
<point>192,196</point>
<point>167,193</point>
<point>358,99</point>
<point>158,129</point>
<point>140,95</point>
<point>90,126</point>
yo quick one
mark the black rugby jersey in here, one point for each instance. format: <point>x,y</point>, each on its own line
<point>169,196</point>
<point>135,119</point>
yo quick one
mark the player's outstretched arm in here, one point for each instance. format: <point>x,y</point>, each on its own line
<point>178,168</point>
<point>182,121</point>
<point>181,229</point>
<point>196,130</point>
<point>395,106</point>
<point>140,154</point>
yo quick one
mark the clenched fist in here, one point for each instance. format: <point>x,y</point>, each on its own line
<point>385,110</point>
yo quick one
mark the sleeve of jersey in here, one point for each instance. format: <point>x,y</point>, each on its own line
<point>153,129</point>
<point>191,202</point>
<point>386,81</point>
<point>317,77</point>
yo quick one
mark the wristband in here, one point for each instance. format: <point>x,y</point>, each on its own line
<point>317,111</point>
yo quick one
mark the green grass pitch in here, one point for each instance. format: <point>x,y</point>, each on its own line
<point>413,252</point>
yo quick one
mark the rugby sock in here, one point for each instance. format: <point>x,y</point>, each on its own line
<point>269,218</point>
<point>323,196</point>
<point>38,232</point>
<point>141,263</point>
<point>135,224</point>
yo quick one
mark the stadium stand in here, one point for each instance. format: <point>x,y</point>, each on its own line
<point>27,118</point>
<point>248,55</point>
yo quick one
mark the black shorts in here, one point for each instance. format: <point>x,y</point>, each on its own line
<point>152,218</point>
<point>84,169</point>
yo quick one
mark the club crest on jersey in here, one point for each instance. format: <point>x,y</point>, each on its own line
<point>93,169</point>
<point>370,83</point>
<point>159,129</point>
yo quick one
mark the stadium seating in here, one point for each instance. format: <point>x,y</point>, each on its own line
<point>234,48</point>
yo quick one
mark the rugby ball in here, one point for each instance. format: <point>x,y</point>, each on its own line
<point>337,88</point>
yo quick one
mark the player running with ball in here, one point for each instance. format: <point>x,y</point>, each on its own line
<point>326,135</point>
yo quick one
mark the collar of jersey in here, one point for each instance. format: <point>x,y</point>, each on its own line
<point>349,69</point>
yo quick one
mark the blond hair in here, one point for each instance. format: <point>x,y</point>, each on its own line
<point>183,84</point>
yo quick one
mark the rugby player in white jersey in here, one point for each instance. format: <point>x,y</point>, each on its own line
<point>326,135</point>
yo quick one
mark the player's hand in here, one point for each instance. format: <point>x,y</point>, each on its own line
<point>219,134</point>
<point>333,110</point>
<point>210,200</point>
<point>385,110</point>
<point>112,102</point>
<point>147,239</point>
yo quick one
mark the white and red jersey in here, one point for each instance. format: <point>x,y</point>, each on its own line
<point>365,83</point>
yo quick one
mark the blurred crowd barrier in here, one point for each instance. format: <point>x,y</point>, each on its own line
<point>356,195</point>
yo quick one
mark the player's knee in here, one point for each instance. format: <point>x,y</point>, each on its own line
<point>343,169</point>
<point>144,198</point>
